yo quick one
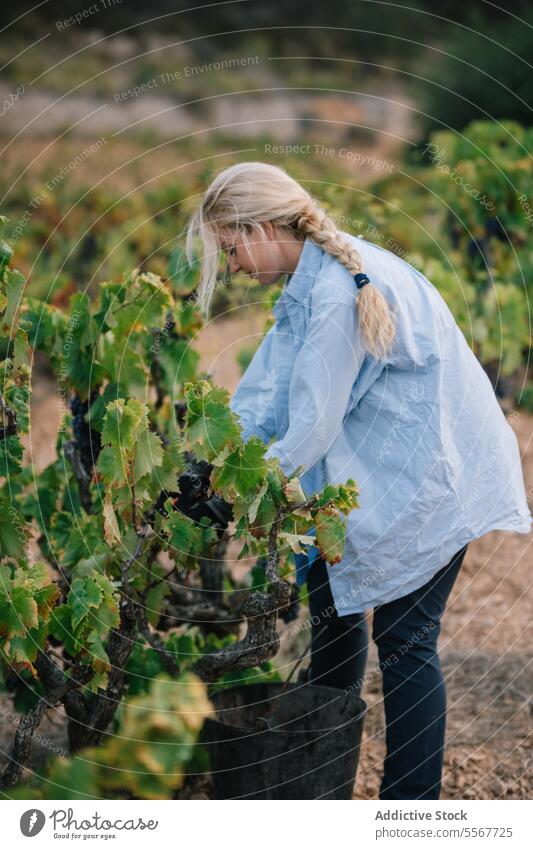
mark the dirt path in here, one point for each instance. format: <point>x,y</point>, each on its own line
<point>486,642</point>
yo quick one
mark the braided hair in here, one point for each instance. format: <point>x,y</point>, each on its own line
<point>248,193</point>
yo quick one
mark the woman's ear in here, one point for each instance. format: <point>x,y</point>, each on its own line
<point>268,230</point>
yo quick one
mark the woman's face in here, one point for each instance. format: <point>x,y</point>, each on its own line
<point>268,256</point>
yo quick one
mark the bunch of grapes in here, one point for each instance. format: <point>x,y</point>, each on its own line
<point>192,496</point>
<point>88,440</point>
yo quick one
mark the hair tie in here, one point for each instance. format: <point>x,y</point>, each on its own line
<point>361,280</point>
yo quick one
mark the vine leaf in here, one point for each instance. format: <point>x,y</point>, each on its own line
<point>112,465</point>
<point>84,594</point>
<point>330,534</point>
<point>178,361</point>
<point>344,495</point>
<point>210,424</point>
<point>15,282</point>
<point>85,620</point>
<point>294,492</point>
<point>243,472</point>
<point>27,597</point>
<point>187,540</point>
<point>296,541</point>
<point>148,454</point>
<point>262,513</point>
<point>111,529</point>
<point>128,462</point>
<point>11,452</point>
<point>19,612</point>
<point>254,506</point>
<point>121,422</point>
<point>13,532</point>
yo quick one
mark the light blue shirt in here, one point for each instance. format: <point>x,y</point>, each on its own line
<point>421,433</point>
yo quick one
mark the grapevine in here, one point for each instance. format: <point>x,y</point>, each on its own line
<point>131,520</point>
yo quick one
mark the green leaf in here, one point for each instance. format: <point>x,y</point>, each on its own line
<point>78,360</point>
<point>27,596</point>
<point>330,534</point>
<point>261,514</point>
<point>61,628</point>
<point>18,398</point>
<point>343,496</point>
<point>84,621</point>
<point>84,594</point>
<point>147,302</point>
<point>184,534</point>
<point>14,533</point>
<point>21,355</point>
<point>18,611</point>
<point>172,465</point>
<point>107,616</point>
<point>11,451</point>
<point>255,504</point>
<point>20,652</point>
<point>347,499</point>
<point>179,363</point>
<point>70,778</point>
<point>99,662</point>
<point>275,487</point>
<point>47,326</point>
<point>124,361</point>
<point>148,453</point>
<point>243,471</point>
<point>15,282</point>
<point>76,537</point>
<point>95,417</point>
<point>328,494</point>
<point>41,502</point>
<point>154,602</point>
<point>112,465</point>
<point>6,252</point>
<point>210,425</point>
<point>121,422</point>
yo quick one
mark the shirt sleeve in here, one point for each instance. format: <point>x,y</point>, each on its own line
<point>245,398</point>
<point>322,380</point>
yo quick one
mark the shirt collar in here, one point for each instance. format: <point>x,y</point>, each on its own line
<point>300,281</point>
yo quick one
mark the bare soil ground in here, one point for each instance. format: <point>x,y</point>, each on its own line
<point>486,642</point>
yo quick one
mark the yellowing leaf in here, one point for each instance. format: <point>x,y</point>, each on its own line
<point>294,492</point>
<point>330,535</point>
<point>296,541</point>
<point>111,529</point>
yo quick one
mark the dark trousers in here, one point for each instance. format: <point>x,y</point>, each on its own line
<point>405,632</point>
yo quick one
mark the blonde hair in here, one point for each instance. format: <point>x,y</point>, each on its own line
<point>248,193</point>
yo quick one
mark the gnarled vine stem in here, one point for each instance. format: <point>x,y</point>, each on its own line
<point>261,610</point>
<point>58,689</point>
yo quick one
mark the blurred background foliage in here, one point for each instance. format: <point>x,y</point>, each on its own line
<point>460,61</point>
<point>410,122</point>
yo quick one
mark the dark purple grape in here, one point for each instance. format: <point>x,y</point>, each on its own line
<point>88,440</point>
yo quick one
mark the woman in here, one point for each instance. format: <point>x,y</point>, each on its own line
<point>365,374</point>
